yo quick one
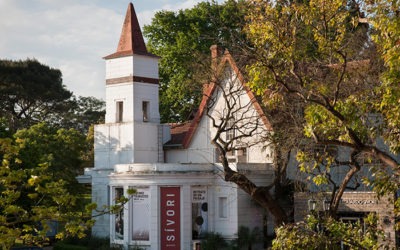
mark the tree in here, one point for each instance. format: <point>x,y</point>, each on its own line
<point>318,70</point>
<point>320,53</point>
<point>181,39</point>
<point>40,161</point>
<point>238,125</point>
<point>311,234</point>
<point>30,92</point>
<point>61,148</point>
<point>38,186</point>
<point>83,112</point>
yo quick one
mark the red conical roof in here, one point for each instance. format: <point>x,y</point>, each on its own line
<point>131,40</point>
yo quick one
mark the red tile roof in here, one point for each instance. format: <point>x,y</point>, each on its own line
<point>131,40</point>
<point>178,133</point>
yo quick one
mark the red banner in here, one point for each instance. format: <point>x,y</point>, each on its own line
<point>170,218</point>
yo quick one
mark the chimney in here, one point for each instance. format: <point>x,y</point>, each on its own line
<point>214,57</point>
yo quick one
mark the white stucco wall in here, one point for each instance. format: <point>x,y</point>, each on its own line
<point>163,175</point>
<point>145,66</point>
<point>146,142</point>
<point>119,92</point>
<point>119,67</point>
<point>201,150</point>
<point>100,196</point>
<point>239,209</point>
<point>149,93</point>
<point>135,65</point>
<point>113,144</point>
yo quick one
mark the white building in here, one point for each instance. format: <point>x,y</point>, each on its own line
<point>181,193</point>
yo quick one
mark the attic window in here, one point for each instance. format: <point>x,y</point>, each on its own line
<point>119,111</point>
<point>145,109</point>
<point>230,130</point>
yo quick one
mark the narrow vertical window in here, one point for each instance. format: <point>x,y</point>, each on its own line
<point>145,109</point>
<point>119,111</point>
<point>223,207</point>
<point>119,216</point>
<point>199,213</point>
<point>230,130</point>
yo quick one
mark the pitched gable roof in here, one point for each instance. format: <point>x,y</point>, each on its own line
<point>209,90</point>
<point>131,40</point>
<point>178,133</point>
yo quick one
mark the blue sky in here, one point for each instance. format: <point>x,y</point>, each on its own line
<point>72,35</point>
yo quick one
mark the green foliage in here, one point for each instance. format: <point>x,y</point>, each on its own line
<point>343,73</point>
<point>30,92</point>
<point>183,39</point>
<point>64,246</point>
<point>213,241</point>
<point>89,243</point>
<point>83,112</point>
<point>328,233</point>
<point>385,21</point>
<point>37,185</point>
<point>60,148</point>
<point>248,238</point>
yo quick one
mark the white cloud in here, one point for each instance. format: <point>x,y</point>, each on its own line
<point>182,5</point>
<point>72,35</point>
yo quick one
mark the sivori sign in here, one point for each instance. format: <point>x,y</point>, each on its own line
<point>170,218</point>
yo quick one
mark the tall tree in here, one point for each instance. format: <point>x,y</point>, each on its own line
<point>307,50</point>
<point>181,38</point>
<point>239,126</point>
<point>82,113</point>
<point>320,52</point>
<point>30,92</point>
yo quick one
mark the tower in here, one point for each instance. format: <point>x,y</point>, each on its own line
<point>132,130</point>
<point>130,133</point>
<point>131,75</point>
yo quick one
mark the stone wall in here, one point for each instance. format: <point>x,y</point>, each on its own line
<point>352,202</point>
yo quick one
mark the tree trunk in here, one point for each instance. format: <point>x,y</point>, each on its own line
<point>261,195</point>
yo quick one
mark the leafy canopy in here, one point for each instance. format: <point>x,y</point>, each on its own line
<point>30,92</point>
<point>38,186</point>
<point>182,39</point>
<point>345,73</point>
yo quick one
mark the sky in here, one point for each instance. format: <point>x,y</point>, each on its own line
<point>72,35</point>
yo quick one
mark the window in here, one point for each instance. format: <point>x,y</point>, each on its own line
<point>353,218</point>
<point>237,155</point>
<point>119,216</point>
<point>199,212</point>
<point>223,207</point>
<point>145,109</point>
<point>119,111</point>
<point>318,150</point>
<point>230,130</point>
<point>241,154</point>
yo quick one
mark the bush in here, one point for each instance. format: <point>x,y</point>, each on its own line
<point>88,243</point>
<point>213,241</point>
<point>66,246</point>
